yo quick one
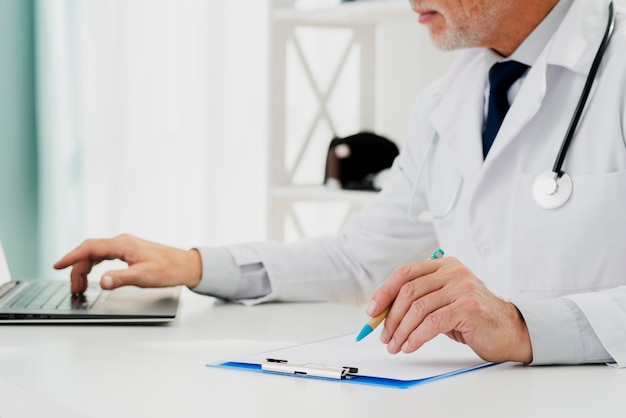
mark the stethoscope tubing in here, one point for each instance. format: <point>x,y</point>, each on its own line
<point>571,130</point>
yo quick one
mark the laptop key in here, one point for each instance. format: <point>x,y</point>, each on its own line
<point>28,295</point>
<point>56,299</point>
<point>45,295</point>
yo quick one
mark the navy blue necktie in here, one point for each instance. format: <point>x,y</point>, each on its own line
<point>501,77</point>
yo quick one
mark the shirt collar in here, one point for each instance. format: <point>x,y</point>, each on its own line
<point>529,50</point>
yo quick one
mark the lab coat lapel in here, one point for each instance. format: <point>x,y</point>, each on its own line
<point>522,110</point>
<point>568,49</point>
<point>458,118</point>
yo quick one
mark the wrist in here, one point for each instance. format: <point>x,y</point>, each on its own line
<point>193,268</point>
<point>523,351</point>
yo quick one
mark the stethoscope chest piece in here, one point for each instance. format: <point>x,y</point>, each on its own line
<point>551,191</point>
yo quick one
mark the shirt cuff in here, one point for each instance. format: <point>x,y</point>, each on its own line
<point>227,277</point>
<point>554,332</point>
<point>220,274</point>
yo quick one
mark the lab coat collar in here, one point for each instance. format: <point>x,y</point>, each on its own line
<point>573,47</point>
<point>535,43</point>
<point>576,41</point>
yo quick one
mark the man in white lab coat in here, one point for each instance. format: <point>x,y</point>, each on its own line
<point>519,282</point>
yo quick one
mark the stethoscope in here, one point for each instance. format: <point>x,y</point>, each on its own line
<point>551,189</point>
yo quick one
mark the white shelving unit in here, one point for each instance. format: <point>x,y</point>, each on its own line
<point>327,80</point>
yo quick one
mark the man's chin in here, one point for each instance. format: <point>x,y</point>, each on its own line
<point>449,42</point>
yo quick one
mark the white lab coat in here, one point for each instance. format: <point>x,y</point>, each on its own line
<point>522,252</point>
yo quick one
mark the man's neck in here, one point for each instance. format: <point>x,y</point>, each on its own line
<point>518,25</point>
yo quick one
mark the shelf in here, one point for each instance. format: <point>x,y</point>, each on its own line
<point>320,193</point>
<point>363,12</point>
<point>354,62</point>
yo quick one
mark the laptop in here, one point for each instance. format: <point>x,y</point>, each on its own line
<point>50,301</point>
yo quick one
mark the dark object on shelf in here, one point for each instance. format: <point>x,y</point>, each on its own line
<point>354,162</point>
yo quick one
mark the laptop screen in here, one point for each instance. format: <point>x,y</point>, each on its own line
<point>5,275</point>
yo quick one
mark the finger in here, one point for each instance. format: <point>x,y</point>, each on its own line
<point>117,278</point>
<point>438,322</point>
<point>411,298</point>
<point>95,250</point>
<point>388,292</point>
<point>418,310</point>
<point>140,274</point>
<point>78,284</point>
<point>78,276</point>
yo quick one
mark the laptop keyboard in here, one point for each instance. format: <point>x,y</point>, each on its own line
<point>52,295</point>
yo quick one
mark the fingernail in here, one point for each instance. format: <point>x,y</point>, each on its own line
<point>107,282</point>
<point>405,347</point>
<point>383,336</point>
<point>391,346</point>
<point>371,308</point>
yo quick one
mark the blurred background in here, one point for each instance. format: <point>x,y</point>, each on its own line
<point>140,116</point>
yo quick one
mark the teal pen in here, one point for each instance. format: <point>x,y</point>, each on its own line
<point>375,321</point>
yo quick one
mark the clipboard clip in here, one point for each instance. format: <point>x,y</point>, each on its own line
<point>308,369</point>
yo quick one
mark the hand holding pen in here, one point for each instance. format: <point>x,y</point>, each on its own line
<point>426,298</point>
<point>375,321</point>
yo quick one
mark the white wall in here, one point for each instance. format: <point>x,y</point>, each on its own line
<point>167,103</point>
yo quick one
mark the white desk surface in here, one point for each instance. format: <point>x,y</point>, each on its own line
<point>159,371</point>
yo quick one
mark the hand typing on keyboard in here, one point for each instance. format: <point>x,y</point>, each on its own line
<point>149,264</point>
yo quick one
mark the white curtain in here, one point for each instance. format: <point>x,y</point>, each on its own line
<point>152,121</point>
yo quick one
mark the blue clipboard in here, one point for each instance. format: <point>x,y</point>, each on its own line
<point>367,362</point>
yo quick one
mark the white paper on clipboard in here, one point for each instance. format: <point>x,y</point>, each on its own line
<point>441,357</point>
